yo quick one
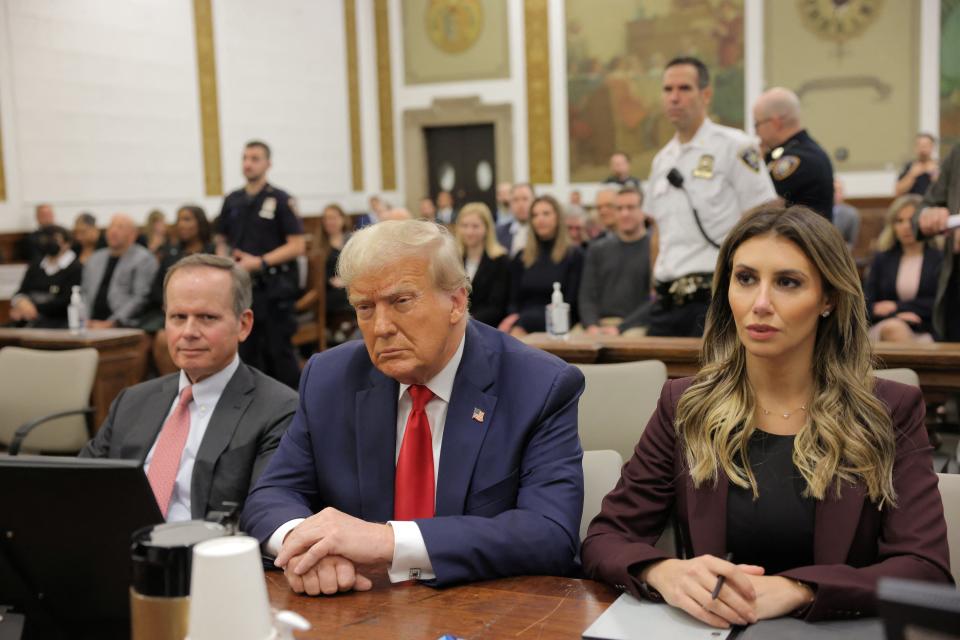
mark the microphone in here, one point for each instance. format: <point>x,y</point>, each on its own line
<point>675,178</point>
<point>953,222</point>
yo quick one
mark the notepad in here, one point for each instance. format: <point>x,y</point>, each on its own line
<point>632,619</point>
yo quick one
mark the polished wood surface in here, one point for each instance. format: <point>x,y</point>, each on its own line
<point>121,362</point>
<point>521,607</point>
<point>937,364</point>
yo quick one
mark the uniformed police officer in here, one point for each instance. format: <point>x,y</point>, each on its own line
<point>800,168</point>
<point>700,184</point>
<point>260,229</point>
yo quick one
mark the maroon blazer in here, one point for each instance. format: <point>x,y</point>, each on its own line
<point>854,543</point>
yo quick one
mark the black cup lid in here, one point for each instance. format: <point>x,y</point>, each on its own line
<point>162,554</point>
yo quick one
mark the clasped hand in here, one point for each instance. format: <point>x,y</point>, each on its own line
<point>746,596</point>
<point>323,550</point>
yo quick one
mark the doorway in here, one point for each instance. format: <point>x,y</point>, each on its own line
<point>461,160</point>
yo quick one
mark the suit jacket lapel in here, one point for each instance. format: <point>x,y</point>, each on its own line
<point>708,516</point>
<point>144,432</point>
<point>233,402</point>
<point>376,431</point>
<point>835,524</point>
<point>462,433</point>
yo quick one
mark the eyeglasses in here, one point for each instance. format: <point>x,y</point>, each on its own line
<point>757,123</point>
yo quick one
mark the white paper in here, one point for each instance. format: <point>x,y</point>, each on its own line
<point>632,619</point>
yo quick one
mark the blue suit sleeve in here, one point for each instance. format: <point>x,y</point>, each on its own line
<point>539,535</point>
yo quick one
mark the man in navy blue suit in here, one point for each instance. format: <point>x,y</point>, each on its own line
<point>440,446</point>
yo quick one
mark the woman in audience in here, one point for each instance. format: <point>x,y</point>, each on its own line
<point>486,262</point>
<point>784,451</point>
<point>87,238</point>
<point>334,233</point>
<point>195,236</point>
<point>44,293</point>
<point>155,234</point>
<point>547,258</point>
<point>902,282</point>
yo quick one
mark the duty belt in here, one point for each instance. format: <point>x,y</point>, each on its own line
<point>693,287</point>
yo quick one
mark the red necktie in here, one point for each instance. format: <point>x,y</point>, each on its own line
<point>166,456</point>
<point>414,487</point>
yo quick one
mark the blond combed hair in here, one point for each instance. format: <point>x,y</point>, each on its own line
<point>561,239</point>
<point>490,244</point>
<point>888,237</point>
<point>848,435</point>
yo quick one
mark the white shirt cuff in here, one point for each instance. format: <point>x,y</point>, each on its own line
<point>272,546</point>
<point>410,558</point>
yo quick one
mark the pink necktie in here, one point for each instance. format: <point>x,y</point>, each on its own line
<point>169,449</point>
<point>413,486</point>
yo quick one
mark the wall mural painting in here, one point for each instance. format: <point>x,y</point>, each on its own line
<point>949,75</point>
<point>615,58</point>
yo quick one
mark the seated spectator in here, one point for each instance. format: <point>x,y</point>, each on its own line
<point>784,450</point>
<point>437,447</point>
<point>195,236</point>
<point>512,233</point>
<point>334,231</point>
<point>923,170</point>
<point>504,215</point>
<point>377,207</point>
<point>445,211</point>
<point>30,249</point>
<point>606,204</point>
<point>576,221</point>
<point>902,283</point>
<point>117,279</point>
<point>548,257</point>
<point>44,293</point>
<point>486,263</point>
<point>155,235</point>
<point>615,288</point>
<point>846,217</point>
<point>204,434</point>
<point>428,210</point>
<point>620,171</point>
<point>87,238</point>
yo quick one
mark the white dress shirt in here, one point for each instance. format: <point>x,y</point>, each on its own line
<point>206,395</point>
<point>519,240</point>
<point>410,557</point>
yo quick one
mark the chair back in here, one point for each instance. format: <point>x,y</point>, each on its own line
<point>601,470</point>
<point>903,376</point>
<point>950,494</point>
<point>35,383</point>
<point>617,403</point>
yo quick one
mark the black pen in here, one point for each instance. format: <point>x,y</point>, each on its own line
<point>716,589</point>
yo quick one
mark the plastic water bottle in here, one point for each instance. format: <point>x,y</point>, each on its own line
<point>558,314</point>
<point>76,312</point>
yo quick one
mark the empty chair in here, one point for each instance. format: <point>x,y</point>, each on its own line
<point>601,470</point>
<point>950,493</point>
<point>36,384</point>
<point>903,376</point>
<point>617,403</point>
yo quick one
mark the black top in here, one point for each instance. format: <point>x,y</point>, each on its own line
<point>530,289</point>
<point>802,174</point>
<point>101,307</point>
<point>50,294</point>
<point>258,224</point>
<point>336,296</point>
<point>774,531</point>
<point>881,284</point>
<point>629,181</point>
<point>920,184</point>
<point>491,290</point>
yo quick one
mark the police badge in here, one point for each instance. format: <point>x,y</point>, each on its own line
<point>704,167</point>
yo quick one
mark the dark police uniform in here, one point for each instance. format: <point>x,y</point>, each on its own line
<point>802,173</point>
<point>259,224</point>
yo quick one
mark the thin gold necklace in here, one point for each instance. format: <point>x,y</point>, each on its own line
<point>786,414</point>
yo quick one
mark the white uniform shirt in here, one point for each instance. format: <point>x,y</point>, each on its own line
<point>725,176</point>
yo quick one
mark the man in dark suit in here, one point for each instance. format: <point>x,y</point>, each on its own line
<point>461,439</point>
<point>205,434</point>
<point>512,235</point>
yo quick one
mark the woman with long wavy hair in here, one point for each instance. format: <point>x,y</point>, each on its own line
<point>784,453</point>
<point>485,261</point>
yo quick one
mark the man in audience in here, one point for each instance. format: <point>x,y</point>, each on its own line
<point>700,184</point>
<point>606,203</point>
<point>919,173</point>
<point>205,434</point>
<point>44,293</point>
<point>439,446</point>
<point>116,279</point>
<point>941,200</point>
<point>503,214</point>
<point>846,218</point>
<point>576,221</point>
<point>265,236</point>
<point>428,210</point>
<point>373,214</point>
<point>620,171</point>
<point>30,249</point>
<point>615,286</point>
<point>800,168</point>
<point>512,236</point>
<point>445,212</point>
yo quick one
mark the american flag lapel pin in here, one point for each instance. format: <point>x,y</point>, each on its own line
<point>478,415</point>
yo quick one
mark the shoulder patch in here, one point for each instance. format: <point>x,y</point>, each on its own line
<point>784,167</point>
<point>751,157</point>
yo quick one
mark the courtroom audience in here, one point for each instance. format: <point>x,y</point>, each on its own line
<point>846,217</point>
<point>334,233</point>
<point>512,233</point>
<point>117,279</point>
<point>446,214</point>
<point>428,210</point>
<point>547,258</point>
<point>504,215</point>
<point>918,174</point>
<point>486,263</point>
<point>902,284</point>
<point>576,222</point>
<point>30,244</point>
<point>43,296</point>
<point>87,238</point>
<point>605,202</point>
<point>620,171</point>
<point>785,450</point>
<point>615,288</point>
<point>155,235</point>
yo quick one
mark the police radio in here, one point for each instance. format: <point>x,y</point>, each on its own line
<point>675,178</point>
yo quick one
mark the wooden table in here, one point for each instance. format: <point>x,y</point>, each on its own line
<point>937,364</point>
<point>521,607</point>
<point>121,362</point>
